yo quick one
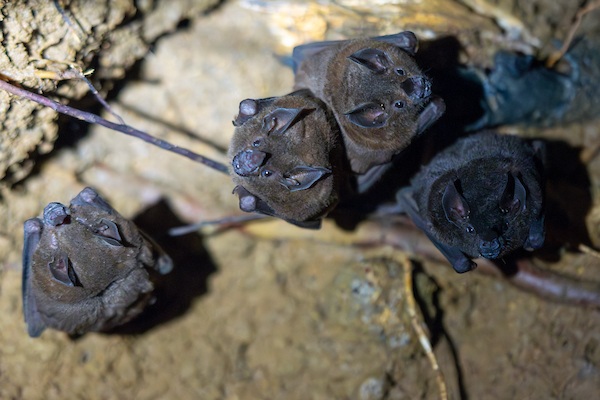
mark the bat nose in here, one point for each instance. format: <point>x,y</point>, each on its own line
<point>56,214</point>
<point>490,248</point>
<point>247,162</point>
<point>417,87</point>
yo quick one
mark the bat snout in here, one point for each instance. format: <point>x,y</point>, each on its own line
<point>247,162</point>
<point>56,214</point>
<point>490,248</point>
<point>417,88</point>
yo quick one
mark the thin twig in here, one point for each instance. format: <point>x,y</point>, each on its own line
<point>68,21</point>
<point>411,309</point>
<point>589,251</point>
<point>98,97</point>
<point>123,128</point>
<point>557,55</point>
<point>221,222</point>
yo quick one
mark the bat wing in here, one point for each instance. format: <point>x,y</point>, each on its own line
<point>406,40</point>
<point>537,235</point>
<point>32,234</point>
<point>251,203</point>
<point>164,263</point>
<point>454,255</point>
<point>431,113</point>
<point>89,196</point>
<point>306,51</point>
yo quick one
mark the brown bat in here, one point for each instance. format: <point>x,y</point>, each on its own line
<point>481,197</point>
<point>86,268</point>
<point>376,91</point>
<point>286,158</point>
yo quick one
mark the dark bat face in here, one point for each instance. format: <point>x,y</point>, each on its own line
<point>482,197</point>
<point>489,223</point>
<point>84,267</point>
<point>375,89</point>
<point>284,156</point>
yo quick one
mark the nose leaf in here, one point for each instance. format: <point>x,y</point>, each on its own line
<point>247,162</point>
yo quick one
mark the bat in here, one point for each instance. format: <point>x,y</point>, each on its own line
<point>482,196</point>
<point>86,268</point>
<point>520,89</point>
<point>376,91</point>
<point>286,158</point>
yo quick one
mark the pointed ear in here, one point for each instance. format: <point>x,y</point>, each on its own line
<point>109,232</point>
<point>513,200</point>
<point>455,205</point>
<point>32,233</point>
<point>373,59</point>
<point>278,121</point>
<point>370,115</point>
<point>62,270</point>
<point>406,40</point>
<point>302,178</point>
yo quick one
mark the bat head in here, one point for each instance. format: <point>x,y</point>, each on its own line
<point>84,267</point>
<point>381,93</point>
<point>284,157</point>
<point>489,224</point>
<point>480,197</point>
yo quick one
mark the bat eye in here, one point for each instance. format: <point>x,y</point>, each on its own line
<point>399,104</point>
<point>257,143</point>
<point>266,173</point>
<point>400,71</point>
<point>470,229</point>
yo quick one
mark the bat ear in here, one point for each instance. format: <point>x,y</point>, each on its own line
<point>109,232</point>
<point>62,270</point>
<point>431,113</point>
<point>406,40</point>
<point>32,233</point>
<point>278,121</point>
<point>455,205</point>
<point>370,115</point>
<point>374,59</point>
<point>247,162</point>
<point>514,198</point>
<point>301,178</point>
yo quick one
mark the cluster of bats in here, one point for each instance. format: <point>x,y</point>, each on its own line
<point>356,107</point>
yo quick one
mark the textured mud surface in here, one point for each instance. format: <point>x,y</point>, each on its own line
<point>275,312</point>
